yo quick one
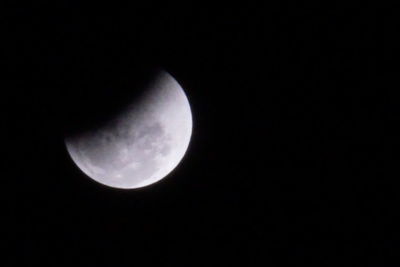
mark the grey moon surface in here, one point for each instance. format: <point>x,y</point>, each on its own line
<point>142,144</point>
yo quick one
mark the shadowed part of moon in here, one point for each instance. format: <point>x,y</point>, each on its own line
<point>142,144</point>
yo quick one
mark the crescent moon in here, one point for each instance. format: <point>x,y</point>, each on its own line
<point>141,145</point>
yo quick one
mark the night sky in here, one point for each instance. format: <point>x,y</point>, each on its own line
<point>294,155</point>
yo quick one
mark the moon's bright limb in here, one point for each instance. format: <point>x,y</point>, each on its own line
<point>143,144</point>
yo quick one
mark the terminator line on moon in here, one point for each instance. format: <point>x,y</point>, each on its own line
<point>143,144</point>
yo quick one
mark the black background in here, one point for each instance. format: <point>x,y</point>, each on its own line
<point>294,155</point>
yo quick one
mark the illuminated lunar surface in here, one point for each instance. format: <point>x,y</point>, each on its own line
<point>141,145</point>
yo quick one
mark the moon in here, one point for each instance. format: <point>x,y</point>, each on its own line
<point>143,143</point>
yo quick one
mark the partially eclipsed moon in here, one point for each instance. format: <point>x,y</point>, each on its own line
<point>141,145</point>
